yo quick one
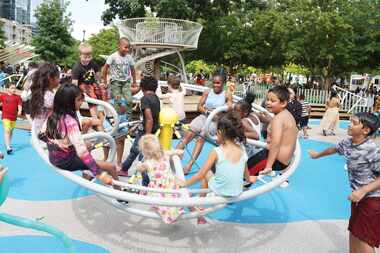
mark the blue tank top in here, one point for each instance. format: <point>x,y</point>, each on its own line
<point>228,178</point>
<point>214,100</point>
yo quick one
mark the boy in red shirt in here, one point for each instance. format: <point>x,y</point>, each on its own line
<point>11,109</point>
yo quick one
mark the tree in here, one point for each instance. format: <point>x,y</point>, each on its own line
<point>328,38</point>
<point>53,41</point>
<point>104,43</point>
<point>2,36</point>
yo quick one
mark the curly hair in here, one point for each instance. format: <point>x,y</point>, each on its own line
<point>40,84</point>
<point>231,127</point>
<point>150,146</point>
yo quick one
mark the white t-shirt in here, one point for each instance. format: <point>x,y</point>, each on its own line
<point>120,66</point>
<point>177,101</point>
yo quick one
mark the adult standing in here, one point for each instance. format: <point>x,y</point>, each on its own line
<point>294,106</point>
<point>210,100</point>
<point>26,93</point>
<point>330,119</point>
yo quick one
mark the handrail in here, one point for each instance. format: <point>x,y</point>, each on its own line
<point>108,107</point>
<point>346,93</point>
<point>216,202</point>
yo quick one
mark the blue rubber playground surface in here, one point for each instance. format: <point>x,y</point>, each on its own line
<point>343,124</point>
<point>44,244</point>
<point>318,189</point>
<point>31,178</point>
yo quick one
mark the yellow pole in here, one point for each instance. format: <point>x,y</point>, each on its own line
<point>168,117</point>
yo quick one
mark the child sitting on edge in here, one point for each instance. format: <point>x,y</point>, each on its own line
<point>229,160</point>
<point>176,97</point>
<point>86,74</point>
<point>363,164</point>
<point>62,133</point>
<point>11,109</point>
<point>282,135</point>
<point>157,165</point>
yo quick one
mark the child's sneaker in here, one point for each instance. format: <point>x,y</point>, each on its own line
<point>247,185</point>
<point>124,202</point>
<point>9,150</point>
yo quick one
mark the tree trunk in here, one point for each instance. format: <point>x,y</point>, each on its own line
<point>156,69</point>
<point>327,76</point>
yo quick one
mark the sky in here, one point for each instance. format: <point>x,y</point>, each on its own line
<point>86,15</point>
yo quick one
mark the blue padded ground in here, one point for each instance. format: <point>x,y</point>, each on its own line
<point>343,124</point>
<point>30,177</point>
<point>43,244</point>
<point>318,190</point>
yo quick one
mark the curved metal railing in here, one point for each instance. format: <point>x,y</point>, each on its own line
<point>213,203</point>
<point>161,31</point>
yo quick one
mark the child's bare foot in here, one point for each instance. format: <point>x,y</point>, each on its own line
<point>265,171</point>
<point>105,178</point>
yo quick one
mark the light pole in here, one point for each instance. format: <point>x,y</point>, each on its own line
<point>84,33</point>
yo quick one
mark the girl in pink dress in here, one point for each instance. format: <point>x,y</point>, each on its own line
<point>157,165</point>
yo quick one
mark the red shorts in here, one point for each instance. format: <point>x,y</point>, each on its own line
<point>94,90</point>
<point>258,162</point>
<point>365,221</point>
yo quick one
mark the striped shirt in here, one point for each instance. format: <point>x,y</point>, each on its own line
<point>305,108</point>
<point>363,163</point>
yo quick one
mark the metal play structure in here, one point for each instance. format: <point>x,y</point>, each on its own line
<point>153,38</point>
<point>17,53</point>
<point>139,204</point>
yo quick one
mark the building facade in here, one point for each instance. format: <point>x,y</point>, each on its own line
<point>16,32</point>
<point>16,10</point>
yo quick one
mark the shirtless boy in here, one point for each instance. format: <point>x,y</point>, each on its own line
<point>282,135</point>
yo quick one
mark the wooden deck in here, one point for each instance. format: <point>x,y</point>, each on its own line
<point>317,112</point>
<point>191,103</point>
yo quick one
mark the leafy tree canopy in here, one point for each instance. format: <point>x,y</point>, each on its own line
<point>53,41</point>
<point>328,38</point>
<point>104,43</point>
